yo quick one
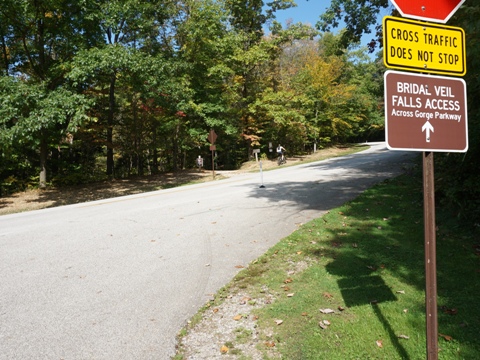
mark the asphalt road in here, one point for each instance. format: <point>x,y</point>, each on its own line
<point>118,278</point>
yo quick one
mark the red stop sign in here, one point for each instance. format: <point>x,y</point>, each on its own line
<point>428,10</point>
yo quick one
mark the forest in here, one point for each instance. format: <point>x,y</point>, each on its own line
<point>95,90</point>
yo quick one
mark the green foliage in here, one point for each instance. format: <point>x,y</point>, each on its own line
<point>457,175</point>
<point>139,84</point>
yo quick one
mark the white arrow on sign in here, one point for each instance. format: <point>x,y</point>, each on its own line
<point>428,127</point>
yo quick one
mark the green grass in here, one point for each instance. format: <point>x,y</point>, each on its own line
<point>367,258</point>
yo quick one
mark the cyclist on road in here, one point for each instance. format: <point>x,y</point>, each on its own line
<point>280,151</point>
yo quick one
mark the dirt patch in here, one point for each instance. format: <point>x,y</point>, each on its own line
<point>40,199</point>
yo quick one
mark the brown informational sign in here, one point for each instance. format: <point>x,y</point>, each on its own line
<point>425,113</point>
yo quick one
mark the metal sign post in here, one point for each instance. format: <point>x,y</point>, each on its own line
<point>430,256</point>
<point>212,136</point>
<point>426,113</point>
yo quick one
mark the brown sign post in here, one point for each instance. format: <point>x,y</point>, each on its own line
<point>212,136</point>
<point>426,113</point>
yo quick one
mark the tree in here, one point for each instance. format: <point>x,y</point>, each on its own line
<point>457,174</point>
<point>38,38</point>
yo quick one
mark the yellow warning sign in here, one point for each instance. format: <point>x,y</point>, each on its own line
<point>423,47</point>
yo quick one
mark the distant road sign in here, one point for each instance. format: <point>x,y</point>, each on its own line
<point>425,112</point>
<point>417,46</point>
<point>428,10</point>
<point>212,136</point>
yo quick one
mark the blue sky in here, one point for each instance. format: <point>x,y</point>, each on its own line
<point>305,12</point>
<point>309,12</point>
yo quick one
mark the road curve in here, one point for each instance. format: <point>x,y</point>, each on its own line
<point>117,278</point>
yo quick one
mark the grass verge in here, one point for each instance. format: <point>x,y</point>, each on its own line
<point>363,265</point>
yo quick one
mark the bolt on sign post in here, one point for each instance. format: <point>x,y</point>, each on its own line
<point>426,113</point>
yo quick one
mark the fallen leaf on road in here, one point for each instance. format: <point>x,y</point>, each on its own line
<point>239,266</point>
<point>224,349</point>
<point>237,317</point>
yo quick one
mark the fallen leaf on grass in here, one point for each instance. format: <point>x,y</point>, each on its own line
<point>446,337</point>
<point>279,322</point>
<point>287,281</point>
<point>379,343</point>
<point>400,291</point>
<point>245,300</point>
<point>327,295</point>
<point>304,313</point>
<point>327,311</point>
<point>449,311</point>
<point>290,295</point>
<point>224,349</point>
<point>322,325</point>
<point>299,252</point>
<point>341,308</point>
<point>404,337</point>
<point>270,344</point>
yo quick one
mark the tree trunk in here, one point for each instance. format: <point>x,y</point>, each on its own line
<point>43,163</point>
<point>111,113</point>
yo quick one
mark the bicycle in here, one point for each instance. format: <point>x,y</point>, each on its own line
<point>282,159</point>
